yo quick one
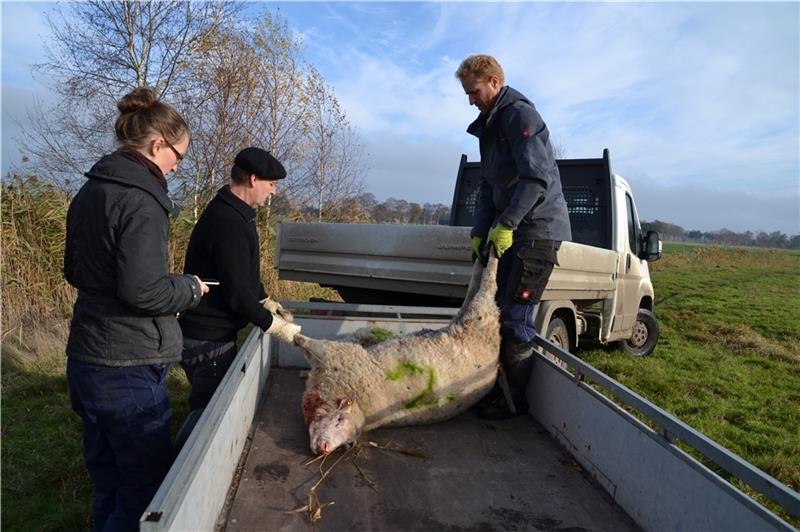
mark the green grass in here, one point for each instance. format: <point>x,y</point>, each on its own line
<point>45,483</point>
<point>728,359</point>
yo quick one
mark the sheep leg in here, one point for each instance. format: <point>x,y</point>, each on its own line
<point>474,282</point>
<point>313,350</point>
<point>503,382</point>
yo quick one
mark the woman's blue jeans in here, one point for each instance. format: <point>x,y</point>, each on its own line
<point>127,445</point>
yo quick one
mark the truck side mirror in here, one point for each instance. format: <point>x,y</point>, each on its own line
<point>651,247</point>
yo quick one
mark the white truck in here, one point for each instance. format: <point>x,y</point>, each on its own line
<point>600,290</point>
<point>591,454</point>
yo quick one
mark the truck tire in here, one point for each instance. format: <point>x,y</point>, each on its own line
<point>644,337</point>
<point>558,333</point>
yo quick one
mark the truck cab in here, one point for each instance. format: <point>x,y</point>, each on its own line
<point>603,216</point>
<point>634,290</point>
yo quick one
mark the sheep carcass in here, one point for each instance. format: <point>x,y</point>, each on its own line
<point>422,377</point>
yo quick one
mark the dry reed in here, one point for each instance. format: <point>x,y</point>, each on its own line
<point>37,301</point>
<point>35,295</point>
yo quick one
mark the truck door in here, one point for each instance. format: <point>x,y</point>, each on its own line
<point>631,269</point>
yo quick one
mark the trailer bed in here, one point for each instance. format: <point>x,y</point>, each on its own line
<point>474,475</point>
<point>518,474</point>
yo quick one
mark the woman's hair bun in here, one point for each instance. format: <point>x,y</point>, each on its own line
<point>142,116</point>
<point>136,100</point>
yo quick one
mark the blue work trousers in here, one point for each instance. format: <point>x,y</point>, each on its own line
<point>126,437</point>
<point>516,318</point>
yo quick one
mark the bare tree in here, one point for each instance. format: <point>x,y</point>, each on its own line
<point>100,51</point>
<point>559,151</point>
<point>218,103</point>
<point>253,87</point>
<point>321,123</point>
<point>238,82</point>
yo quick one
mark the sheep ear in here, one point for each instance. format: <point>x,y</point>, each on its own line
<point>313,350</point>
<point>345,404</point>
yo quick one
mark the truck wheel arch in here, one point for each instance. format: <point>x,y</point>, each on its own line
<point>562,309</point>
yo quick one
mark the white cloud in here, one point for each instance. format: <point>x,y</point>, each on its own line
<point>706,209</point>
<point>422,172</point>
<point>691,95</point>
<point>24,31</point>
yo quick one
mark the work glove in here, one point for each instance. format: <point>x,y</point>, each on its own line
<point>282,329</point>
<point>477,242</point>
<point>276,308</point>
<point>502,237</point>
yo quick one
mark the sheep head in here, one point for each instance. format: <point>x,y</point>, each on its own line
<point>331,424</point>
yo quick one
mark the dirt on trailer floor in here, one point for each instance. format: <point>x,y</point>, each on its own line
<point>465,474</point>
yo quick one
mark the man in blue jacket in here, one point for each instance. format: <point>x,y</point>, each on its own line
<point>521,212</point>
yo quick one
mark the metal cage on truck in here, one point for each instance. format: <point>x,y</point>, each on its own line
<point>588,198</point>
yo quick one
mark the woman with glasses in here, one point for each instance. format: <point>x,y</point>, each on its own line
<point>124,333</point>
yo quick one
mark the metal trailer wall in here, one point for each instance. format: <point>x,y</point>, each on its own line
<point>193,494</point>
<point>659,485</point>
<point>194,491</point>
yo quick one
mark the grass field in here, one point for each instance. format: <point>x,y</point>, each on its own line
<point>728,361</point>
<point>728,364</point>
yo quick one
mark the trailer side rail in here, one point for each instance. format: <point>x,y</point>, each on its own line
<point>550,405</point>
<point>193,494</point>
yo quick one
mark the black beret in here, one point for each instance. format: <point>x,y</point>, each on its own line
<point>260,162</point>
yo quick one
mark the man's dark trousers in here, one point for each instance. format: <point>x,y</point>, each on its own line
<point>126,437</point>
<point>205,363</point>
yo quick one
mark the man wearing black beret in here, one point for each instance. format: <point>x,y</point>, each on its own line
<point>224,247</point>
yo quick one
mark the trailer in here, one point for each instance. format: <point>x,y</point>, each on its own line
<point>591,455</point>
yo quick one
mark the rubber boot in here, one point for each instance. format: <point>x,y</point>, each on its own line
<point>490,397</point>
<point>517,362</point>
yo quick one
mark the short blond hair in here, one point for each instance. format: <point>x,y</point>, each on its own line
<point>482,67</point>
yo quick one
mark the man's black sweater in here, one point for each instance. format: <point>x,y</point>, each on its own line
<point>224,246</point>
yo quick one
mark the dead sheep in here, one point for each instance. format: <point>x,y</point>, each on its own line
<point>422,377</point>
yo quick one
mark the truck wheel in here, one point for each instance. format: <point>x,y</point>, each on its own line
<point>644,337</point>
<point>558,333</point>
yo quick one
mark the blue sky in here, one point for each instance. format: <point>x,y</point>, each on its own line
<point>698,103</point>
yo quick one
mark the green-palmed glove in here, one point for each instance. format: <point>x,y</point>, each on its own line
<point>502,237</point>
<point>476,246</point>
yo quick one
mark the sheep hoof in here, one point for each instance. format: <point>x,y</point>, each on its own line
<point>314,350</point>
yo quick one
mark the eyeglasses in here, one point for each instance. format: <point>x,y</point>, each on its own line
<point>178,156</point>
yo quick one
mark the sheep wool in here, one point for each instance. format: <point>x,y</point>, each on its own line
<point>422,377</point>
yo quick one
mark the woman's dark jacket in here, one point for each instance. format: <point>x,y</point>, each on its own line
<point>520,184</point>
<point>224,246</point>
<point>116,256</point>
